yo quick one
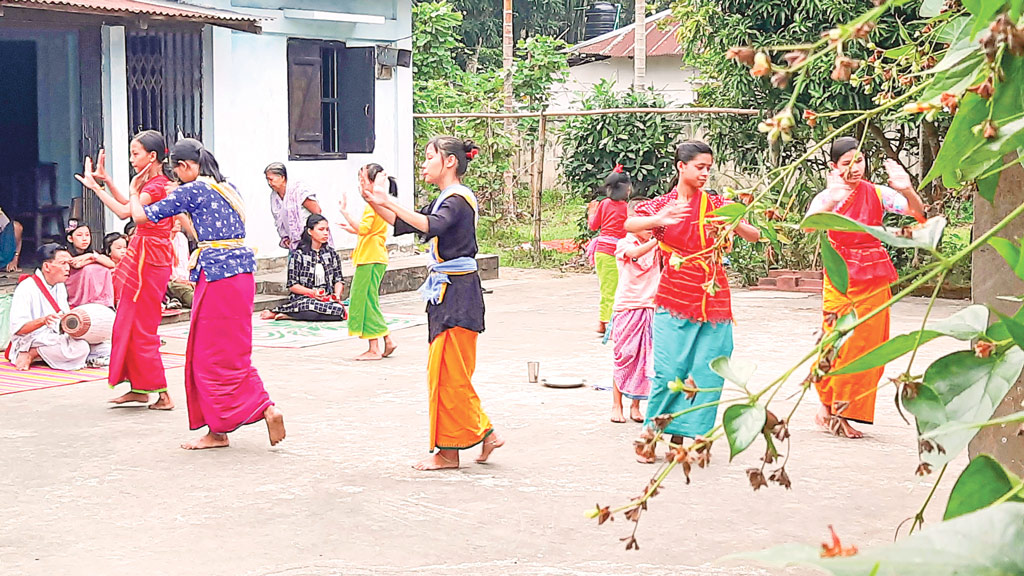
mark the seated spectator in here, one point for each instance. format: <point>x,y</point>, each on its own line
<point>38,304</point>
<point>91,280</point>
<point>314,278</point>
<point>129,230</point>
<point>10,242</point>
<point>179,287</point>
<point>115,245</point>
<point>291,204</point>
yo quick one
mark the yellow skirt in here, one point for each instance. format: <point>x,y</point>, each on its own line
<point>856,391</point>
<point>457,421</point>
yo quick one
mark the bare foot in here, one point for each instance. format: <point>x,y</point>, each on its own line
<point>617,416</point>
<point>601,327</point>
<point>389,347</point>
<point>130,397</point>
<point>844,429</point>
<point>275,424</point>
<point>164,402</point>
<point>267,315</point>
<point>438,462</point>
<point>492,443</point>
<point>634,413</point>
<point>821,418</point>
<point>25,359</point>
<point>368,355</point>
<point>210,440</point>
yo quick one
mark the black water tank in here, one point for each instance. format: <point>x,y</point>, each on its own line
<point>601,19</point>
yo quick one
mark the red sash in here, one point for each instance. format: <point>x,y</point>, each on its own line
<point>46,293</point>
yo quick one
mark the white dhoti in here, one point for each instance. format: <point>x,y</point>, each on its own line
<point>59,351</point>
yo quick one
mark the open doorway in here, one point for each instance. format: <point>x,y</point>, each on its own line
<point>19,124</point>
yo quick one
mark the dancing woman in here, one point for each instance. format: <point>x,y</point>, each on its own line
<point>140,278</point>
<point>693,317</point>
<point>852,396</point>
<point>223,389</point>
<point>455,302</point>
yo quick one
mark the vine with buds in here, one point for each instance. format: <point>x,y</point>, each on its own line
<point>966,66</point>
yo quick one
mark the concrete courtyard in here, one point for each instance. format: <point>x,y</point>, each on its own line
<point>94,490</point>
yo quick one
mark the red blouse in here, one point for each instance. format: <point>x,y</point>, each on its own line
<point>610,218</point>
<point>150,245</point>
<point>697,290</point>
<point>866,258</point>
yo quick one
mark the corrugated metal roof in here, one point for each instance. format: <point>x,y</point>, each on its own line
<point>177,11</point>
<point>619,43</point>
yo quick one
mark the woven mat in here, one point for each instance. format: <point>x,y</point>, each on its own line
<point>293,334</point>
<point>40,376</point>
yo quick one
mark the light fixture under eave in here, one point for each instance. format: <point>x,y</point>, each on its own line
<point>333,16</point>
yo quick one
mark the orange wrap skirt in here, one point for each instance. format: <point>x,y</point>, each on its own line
<point>856,391</point>
<point>457,421</point>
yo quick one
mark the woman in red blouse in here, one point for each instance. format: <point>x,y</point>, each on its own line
<point>693,316</point>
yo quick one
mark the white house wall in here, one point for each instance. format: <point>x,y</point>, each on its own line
<point>664,74</point>
<point>250,130</point>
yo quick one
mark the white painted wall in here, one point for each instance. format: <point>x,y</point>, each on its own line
<point>665,74</point>
<point>115,114</point>
<point>249,108</point>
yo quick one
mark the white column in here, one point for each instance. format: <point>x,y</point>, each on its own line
<point>115,112</point>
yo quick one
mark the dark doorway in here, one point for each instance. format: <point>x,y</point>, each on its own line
<point>19,123</point>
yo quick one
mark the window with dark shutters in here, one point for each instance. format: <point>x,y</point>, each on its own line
<point>330,99</point>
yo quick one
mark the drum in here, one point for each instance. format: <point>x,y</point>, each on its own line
<point>93,323</point>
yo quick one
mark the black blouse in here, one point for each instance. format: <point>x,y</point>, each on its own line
<point>454,226</point>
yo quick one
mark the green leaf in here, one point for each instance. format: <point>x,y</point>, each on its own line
<point>1014,328</point>
<point>835,266</point>
<point>963,388</point>
<point>886,352</point>
<point>896,53</point>
<point>984,543</point>
<point>983,11</point>
<point>959,141</point>
<point>1010,252</point>
<point>931,8</point>
<point>987,186</point>
<point>980,484</point>
<point>731,211</point>
<point>743,423</point>
<point>831,221</point>
<point>735,370</point>
<point>966,324</point>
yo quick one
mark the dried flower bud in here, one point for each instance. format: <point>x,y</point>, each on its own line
<point>949,101</point>
<point>756,478</point>
<point>773,214</point>
<point>811,117</point>
<point>741,54</point>
<point>795,58</point>
<point>985,89</point>
<point>983,349</point>
<point>861,31</point>
<point>844,69</point>
<point>762,65</point>
<point>1015,41</point>
<point>781,478</point>
<point>780,79</point>
<point>906,81</point>
<point>989,129</point>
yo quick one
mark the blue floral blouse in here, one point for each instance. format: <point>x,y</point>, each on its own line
<point>214,219</point>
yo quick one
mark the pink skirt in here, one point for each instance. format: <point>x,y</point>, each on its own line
<point>223,389</point>
<point>634,359</point>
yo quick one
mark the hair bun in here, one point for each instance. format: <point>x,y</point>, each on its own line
<point>471,149</point>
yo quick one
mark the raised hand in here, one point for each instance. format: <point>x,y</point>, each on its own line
<point>100,173</point>
<point>378,196</point>
<point>898,177</point>
<point>140,179</point>
<point>674,213</point>
<point>838,188</point>
<point>88,178</point>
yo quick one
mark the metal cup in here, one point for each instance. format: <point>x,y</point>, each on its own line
<point>533,371</point>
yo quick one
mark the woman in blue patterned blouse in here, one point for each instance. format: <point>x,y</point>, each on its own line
<point>223,389</point>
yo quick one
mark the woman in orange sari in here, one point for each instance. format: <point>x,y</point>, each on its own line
<point>455,301</point>
<point>851,397</point>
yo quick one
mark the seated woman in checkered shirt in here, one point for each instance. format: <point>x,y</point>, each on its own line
<point>314,278</point>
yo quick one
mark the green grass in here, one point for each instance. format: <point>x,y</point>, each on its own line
<point>560,215</point>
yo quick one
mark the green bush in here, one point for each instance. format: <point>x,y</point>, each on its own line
<point>642,143</point>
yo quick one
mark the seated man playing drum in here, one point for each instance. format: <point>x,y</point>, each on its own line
<point>40,302</point>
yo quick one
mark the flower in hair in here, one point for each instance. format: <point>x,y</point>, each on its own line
<point>472,153</point>
<point>617,169</point>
